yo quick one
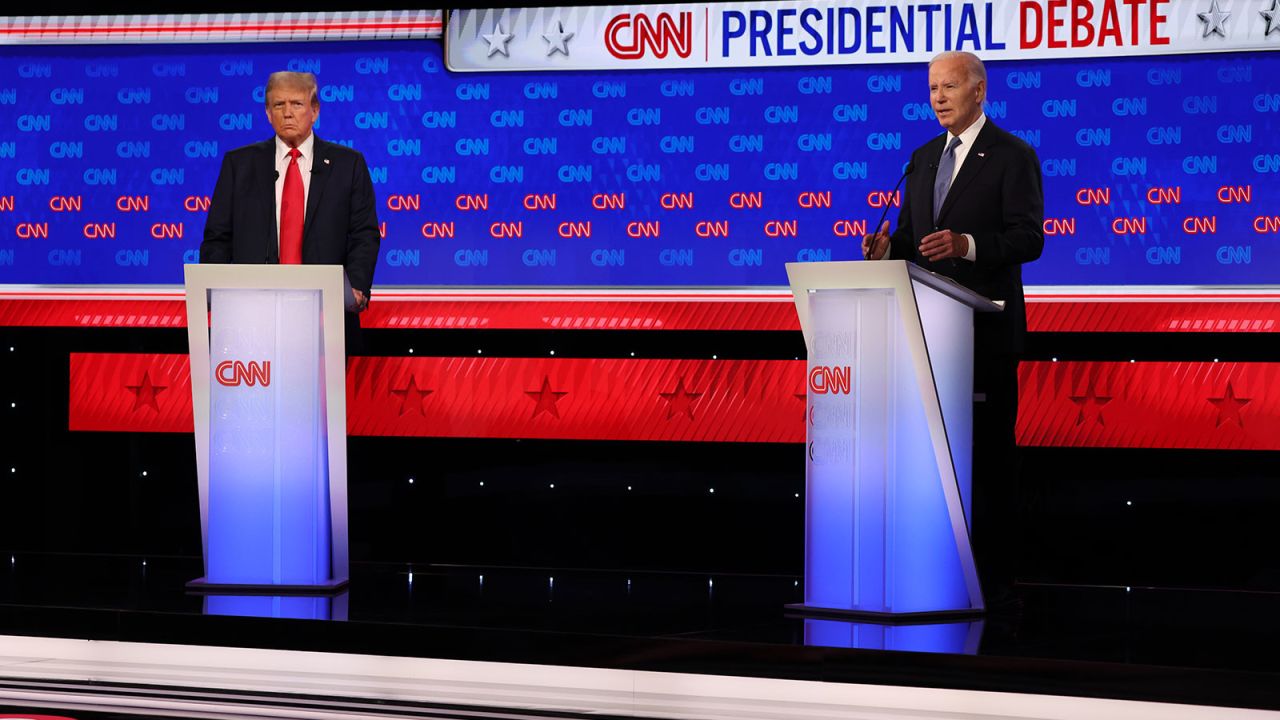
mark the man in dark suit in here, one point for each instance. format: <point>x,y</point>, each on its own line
<point>973,210</point>
<point>296,198</point>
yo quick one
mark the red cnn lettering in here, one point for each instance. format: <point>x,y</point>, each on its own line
<point>810,200</point>
<point>1266,224</point>
<point>629,36</point>
<point>707,229</point>
<point>535,201</point>
<point>1093,196</point>
<point>1235,194</point>
<point>66,203</point>
<point>162,231</point>
<point>136,203</point>
<point>438,230</point>
<point>234,373</point>
<point>781,228</point>
<point>507,229</point>
<point>609,201</point>
<point>6,203</point>
<point>382,230</point>
<point>1060,226</point>
<point>399,203</point>
<point>1165,195</point>
<point>879,199</point>
<point>472,202</point>
<point>1200,225</point>
<point>849,228</point>
<point>676,201</point>
<point>100,231</point>
<point>825,380</point>
<point>32,231</point>
<point>196,203</point>
<point>574,229</point>
<point>746,201</point>
<point>1129,226</point>
<point>637,229</point>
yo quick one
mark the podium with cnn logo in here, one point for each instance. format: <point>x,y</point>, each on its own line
<point>269,402</point>
<point>889,421</point>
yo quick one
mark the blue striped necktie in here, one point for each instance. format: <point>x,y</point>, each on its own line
<point>942,183</point>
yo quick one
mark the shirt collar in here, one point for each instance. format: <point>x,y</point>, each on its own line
<point>282,150</point>
<point>970,135</point>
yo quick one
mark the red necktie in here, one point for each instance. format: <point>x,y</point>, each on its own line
<point>292,208</point>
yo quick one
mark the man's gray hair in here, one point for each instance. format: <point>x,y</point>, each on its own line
<point>972,63</point>
<point>296,80</point>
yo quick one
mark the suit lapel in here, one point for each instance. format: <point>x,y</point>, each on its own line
<point>973,164</point>
<point>319,177</point>
<point>265,171</point>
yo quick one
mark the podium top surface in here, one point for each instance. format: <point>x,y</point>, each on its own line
<point>866,275</point>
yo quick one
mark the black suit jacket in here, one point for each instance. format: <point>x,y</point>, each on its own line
<point>997,197</point>
<point>341,222</point>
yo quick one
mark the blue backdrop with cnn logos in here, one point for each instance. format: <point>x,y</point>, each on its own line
<point>1157,170</point>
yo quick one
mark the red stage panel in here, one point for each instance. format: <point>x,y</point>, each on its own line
<point>1203,405</point>
<point>1207,311</point>
<point>1131,314</point>
<point>579,399</point>
<point>131,393</point>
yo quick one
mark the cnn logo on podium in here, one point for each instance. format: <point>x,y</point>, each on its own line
<point>234,373</point>
<point>828,379</point>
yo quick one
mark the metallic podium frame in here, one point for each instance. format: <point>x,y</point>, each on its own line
<point>889,421</point>
<point>329,418</point>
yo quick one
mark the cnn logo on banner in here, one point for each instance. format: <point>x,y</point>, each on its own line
<point>645,35</point>
<point>234,373</point>
<point>834,380</point>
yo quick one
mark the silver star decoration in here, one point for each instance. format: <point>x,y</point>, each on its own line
<point>498,41</point>
<point>1270,16</point>
<point>556,41</point>
<point>1214,20</point>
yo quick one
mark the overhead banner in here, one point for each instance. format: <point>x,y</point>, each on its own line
<point>849,33</point>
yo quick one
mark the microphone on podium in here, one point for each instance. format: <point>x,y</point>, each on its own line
<point>911,166</point>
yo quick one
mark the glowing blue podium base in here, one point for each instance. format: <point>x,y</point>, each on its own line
<point>889,426</point>
<point>269,404</point>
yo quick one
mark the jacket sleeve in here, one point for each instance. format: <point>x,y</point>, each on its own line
<point>216,246</point>
<point>363,236</point>
<point>1021,239</point>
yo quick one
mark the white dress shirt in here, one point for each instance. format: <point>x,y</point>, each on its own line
<point>282,166</point>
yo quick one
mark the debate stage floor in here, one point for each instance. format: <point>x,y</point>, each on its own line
<point>1172,646</point>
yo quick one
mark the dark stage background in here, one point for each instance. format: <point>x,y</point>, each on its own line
<point>1168,518</point>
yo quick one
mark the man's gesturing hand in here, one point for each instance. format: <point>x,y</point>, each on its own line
<point>944,244</point>
<point>875,247</point>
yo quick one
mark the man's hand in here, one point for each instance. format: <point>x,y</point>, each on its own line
<point>944,244</point>
<point>875,247</point>
<point>362,301</point>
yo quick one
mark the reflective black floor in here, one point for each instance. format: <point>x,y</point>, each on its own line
<point>1136,643</point>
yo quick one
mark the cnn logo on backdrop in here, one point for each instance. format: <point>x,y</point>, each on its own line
<point>234,373</point>
<point>630,36</point>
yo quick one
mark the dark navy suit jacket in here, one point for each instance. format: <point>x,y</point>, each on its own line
<point>997,197</point>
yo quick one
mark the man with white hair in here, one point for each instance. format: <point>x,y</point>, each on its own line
<point>295,198</point>
<point>973,210</point>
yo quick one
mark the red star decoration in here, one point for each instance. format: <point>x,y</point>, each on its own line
<point>1229,406</point>
<point>144,393</point>
<point>680,400</point>
<point>546,399</point>
<point>1090,396</point>
<point>411,397</point>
